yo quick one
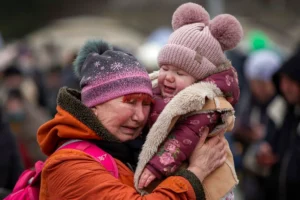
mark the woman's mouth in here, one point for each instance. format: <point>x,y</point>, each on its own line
<point>129,130</point>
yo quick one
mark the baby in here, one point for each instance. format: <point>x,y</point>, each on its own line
<point>196,87</point>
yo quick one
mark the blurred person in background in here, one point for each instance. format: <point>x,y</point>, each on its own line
<point>279,153</point>
<point>13,78</point>
<point>11,164</point>
<point>259,69</point>
<point>24,119</point>
<point>252,117</point>
<point>53,81</point>
<point>27,63</point>
<point>255,40</point>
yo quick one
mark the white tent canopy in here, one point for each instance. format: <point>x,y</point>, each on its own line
<point>70,34</point>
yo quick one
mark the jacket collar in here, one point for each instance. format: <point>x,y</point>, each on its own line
<point>72,120</point>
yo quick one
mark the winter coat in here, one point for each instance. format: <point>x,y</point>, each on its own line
<point>283,134</point>
<point>178,123</point>
<point>71,174</point>
<point>10,165</point>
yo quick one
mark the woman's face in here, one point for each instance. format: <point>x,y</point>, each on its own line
<point>124,120</point>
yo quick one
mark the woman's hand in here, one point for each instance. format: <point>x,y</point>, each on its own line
<point>208,155</point>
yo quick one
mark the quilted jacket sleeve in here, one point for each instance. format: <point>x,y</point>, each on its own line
<point>180,143</point>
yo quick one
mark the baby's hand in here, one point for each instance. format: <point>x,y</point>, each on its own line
<point>146,178</point>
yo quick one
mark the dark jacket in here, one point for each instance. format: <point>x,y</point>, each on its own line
<point>284,137</point>
<point>10,165</point>
<point>283,134</point>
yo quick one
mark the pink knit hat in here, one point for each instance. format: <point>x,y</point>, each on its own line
<point>197,44</point>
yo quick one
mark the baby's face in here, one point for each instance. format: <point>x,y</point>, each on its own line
<point>172,80</point>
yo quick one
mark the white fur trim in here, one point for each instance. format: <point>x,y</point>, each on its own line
<point>217,102</point>
<point>153,77</point>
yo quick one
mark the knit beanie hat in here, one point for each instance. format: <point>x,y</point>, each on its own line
<point>262,64</point>
<point>197,44</point>
<point>107,73</point>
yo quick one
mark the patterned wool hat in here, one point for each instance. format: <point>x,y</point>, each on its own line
<point>197,44</point>
<point>107,73</point>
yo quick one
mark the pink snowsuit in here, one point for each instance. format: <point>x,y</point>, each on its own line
<point>184,136</point>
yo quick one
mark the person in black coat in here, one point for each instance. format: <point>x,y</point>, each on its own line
<point>280,153</point>
<point>11,164</point>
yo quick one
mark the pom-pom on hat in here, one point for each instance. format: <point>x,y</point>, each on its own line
<point>197,44</point>
<point>107,73</point>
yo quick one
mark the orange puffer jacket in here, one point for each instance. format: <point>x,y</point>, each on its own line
<point>72,174</point>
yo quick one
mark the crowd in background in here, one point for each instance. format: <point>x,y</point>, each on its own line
<point>27,100</point>
<point>263,141</point>
<point>266,132</point>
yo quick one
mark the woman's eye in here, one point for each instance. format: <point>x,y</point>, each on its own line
<point>146,103</point>
<point>132,101</point>
<point>180,73</point>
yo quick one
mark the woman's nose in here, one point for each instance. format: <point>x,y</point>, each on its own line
<point>140,115</point>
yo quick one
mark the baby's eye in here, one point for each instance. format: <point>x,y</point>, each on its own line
<point>164,68</point>
<point>180,73</point>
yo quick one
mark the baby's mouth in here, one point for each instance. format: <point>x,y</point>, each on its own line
<point>168,90</point>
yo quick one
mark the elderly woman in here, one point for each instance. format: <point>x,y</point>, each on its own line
<point>110,111</point>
